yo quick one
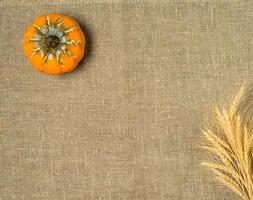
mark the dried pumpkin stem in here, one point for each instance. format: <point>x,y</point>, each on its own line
<point>52,40</point>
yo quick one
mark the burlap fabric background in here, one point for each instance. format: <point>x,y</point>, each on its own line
<point>123,126</point>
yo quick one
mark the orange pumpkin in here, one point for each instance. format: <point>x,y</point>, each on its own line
<point>54,43</point>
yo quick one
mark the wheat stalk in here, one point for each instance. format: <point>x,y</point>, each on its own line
<point>229,141</point>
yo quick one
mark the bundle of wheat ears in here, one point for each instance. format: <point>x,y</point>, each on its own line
<point>229,143</point>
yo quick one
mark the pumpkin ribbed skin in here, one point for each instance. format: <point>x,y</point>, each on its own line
<point>54,43</point>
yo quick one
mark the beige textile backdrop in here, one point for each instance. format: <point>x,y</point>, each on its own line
<point>123,126</point>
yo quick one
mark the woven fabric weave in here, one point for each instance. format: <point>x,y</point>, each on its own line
<point>124,124</point>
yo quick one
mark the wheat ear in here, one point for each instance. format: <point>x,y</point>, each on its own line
<point>229,141</point>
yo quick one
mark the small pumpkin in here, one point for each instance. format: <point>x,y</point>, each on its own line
<point>54,43</point>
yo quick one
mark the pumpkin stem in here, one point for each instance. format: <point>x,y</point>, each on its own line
<point>52,41</point>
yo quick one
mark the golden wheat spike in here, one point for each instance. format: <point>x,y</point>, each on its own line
<point>230,144</point>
